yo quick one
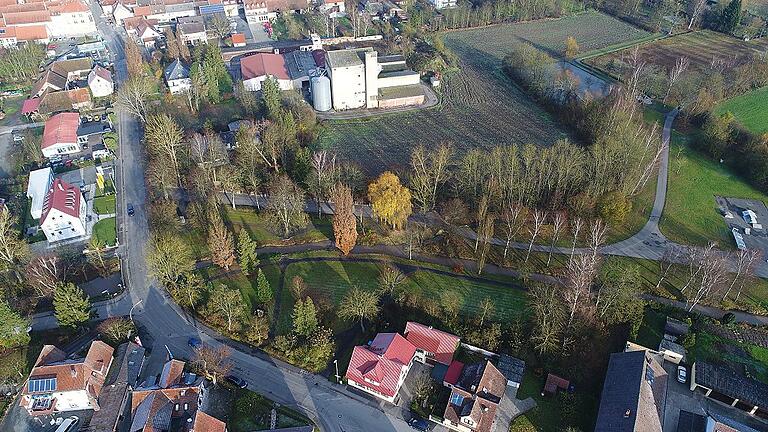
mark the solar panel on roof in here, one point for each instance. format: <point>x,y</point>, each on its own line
<point>457,399</point>
<point>42,385</point>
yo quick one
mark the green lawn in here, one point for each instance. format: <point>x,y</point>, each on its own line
<point>555,413</point>
<point>331,279</point>
<point>245,284</point>
<point>263,233</point>
<point>105,231</point>
<point>251,412</point>
<point>742,356</point>
<point>104,204</point>
<point>690,213</point>
<point>750,109</point>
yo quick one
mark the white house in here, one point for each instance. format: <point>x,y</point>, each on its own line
<point>177,77</point>
<point>192,30</point>
<point>59,384</point>
<point>63,212</point>
<point>258,67</point>
<point>121,12</point>
<point>39,184</point>
<point>70,19</point>
<point>100,82</point>
<point>148,34</point>
<point>442,4</point>
<point>60,135</point>
<point>334,8</point>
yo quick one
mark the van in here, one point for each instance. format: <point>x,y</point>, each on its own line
<point>68,425</point>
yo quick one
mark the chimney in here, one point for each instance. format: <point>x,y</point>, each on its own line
<point>627,413</point>
<point>73,371</point>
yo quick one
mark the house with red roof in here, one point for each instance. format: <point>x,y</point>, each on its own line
<point>256,68</point>
<point>58,383</point>
<point>432,345</point>
<point>60,135</point>
<point>238,40</point>
<point>475,398</point>
<point>100,82</point>
<point>381,367</point>
<point>64,212</point>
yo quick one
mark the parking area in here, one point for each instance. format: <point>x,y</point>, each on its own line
<point>18,420</point>
<point>258,34</point>
<point>745,219</point>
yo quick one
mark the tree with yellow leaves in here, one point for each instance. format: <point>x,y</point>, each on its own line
<point>571,47</point>
<point>390,200</point>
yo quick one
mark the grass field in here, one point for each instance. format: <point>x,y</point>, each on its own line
<point>480,107</point>
<point>699,47</point>
<point>104,204</point>
<point>750,109</point>
<point>333,278</point>
<point>318,229</point>
<point>690,213</point>
<point>105,231</point>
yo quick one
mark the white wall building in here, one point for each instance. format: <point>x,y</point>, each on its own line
<point>346,69</point>
<point>60,135</point>
<point>72,19</point>
<point>255,69</point>
<point>39,184</point>
<point>442,4</point>
<point>177,77</point>
<point>63,212</point>
<point>100,82</point>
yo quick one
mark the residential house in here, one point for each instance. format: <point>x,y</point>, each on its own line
<point>442,4</point>
<point>41,21</point>
<point>67,100</point>
<point>177,77</point>
<point>238,40</point>
<point>474,398</point>
<point>256,68</point>
<point>120,12</point>
<point>60,135</point>
<point>100,82</point>
<point>59,384</point>
<point>59,74</point>
<point>89,133</point>
<point>192,30</point>
<point>334,8</point>
<point>724,384</point>
<point>634,393</point>
<point>64,215</point>
<point>148,34</point>
<point>380,368</point>
<point>268,10</point>
<point>48,81</point>
<point>116,392</point>
<point>39,183</point>
<point>175,401</point>
<point>432,345</point>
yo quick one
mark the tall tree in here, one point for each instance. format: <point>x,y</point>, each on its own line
<point>164,137</point>
<point>618,298</point>
<point>730,17</point>
<point>220,242</point>
<point>557,225</point>
<point>246,252</point>
<point>539,217</point>
<point>220,26</point>
<point>227,303</point>
<point>45,273</point>
<point>13,327</point>
<point>71,306</point>
<point>344,220</point>
<point>485,234</point>
<point>304,317</point>
<point>263,291</point>
<point>390,201</point>
<point>172,45</point>
<point>116,330</point>
<point>133,97</point>
<point>286,204</point>
<point>214,362</point>
<point>513,217</point>
<point>429,172</point>
<point>571,47</point>
<point>216,74</point>
<point>21,63</point>
<point>321,178</point>
<point>270,94</point>
<point>258,330</point>
<point>360,305</point>
<point>133,59</point>
<point>695,10</point>
<point>298,287</point>
<point>548,318</point>
<point>169,257</point>
<point>13,250</point>
<point>390,277</point>
<point>487,311</point>
<point>189,290</point>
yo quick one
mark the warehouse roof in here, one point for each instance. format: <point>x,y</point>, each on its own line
<point>724,380</point>
<point>263,64</point>
<point>299,64</point>
<point>347,57</point>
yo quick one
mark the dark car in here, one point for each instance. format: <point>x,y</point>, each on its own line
<point>418,424</point>
<point>239,382</point>
<point>194,342</point>
<point>131,211</point>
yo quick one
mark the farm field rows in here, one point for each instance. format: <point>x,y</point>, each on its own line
<point>480,106</point>
<point>699,47</point>
<point>750,109</point>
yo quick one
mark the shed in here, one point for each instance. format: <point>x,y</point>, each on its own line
<point>671,351</point>
<point>555,383</point>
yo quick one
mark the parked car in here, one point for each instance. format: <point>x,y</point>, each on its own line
<point>418,424</point>
<point>131,211</point>
<point>194,342</point>
<point>18,137</point>
<point>682,374</point>
<point>239,382</point>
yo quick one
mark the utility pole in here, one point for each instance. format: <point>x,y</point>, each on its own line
<point>338,378</point>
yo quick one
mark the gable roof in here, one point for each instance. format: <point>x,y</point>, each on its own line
<point>724,380</point>
<point>75,65</point>
<point>31,32</point>
<point>393,347</point>
<point>82,374</point>
<point>633,394</point>
<point>238,38</point>
<point>476,395</point>
<point>373,371</point>
<point>63,197</point>
<point>61,128</point>
<point>171,374</point>
<point>439,343</point>
<point>65,100</point>
<point>30,105</point>
<point>262,64</point>
<point>52,79</point>
<point>102,73</point>
<point>207,423</point>
<point>176,70</point>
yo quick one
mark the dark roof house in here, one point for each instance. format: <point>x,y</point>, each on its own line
<point>122,377</point>
<point>475,397</point>
<point>176,70</point>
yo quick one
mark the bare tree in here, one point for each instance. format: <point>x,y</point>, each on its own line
<point>580,274</point>
<point>213,362</point>
<point>711,274</point>
<point>322,177</point>
<point>133,97</point>
<point>45,273</point>
<point>482,210</point>
<point>677,71</point>
<point>390,277</point>
<point>485,232</point>
<point>745,263</point>
<point>513,217</point>
<point>164,137</point>
<point>557,226</point>
<point>429,171</point>
<point>286,204</point>
<point>548,318</point>
<point>597,236</point>
<point>576,226</point>
<point>539,217</point>
<point>13,250</point>
<point>695,9</point>
<point>487,311</point>
<point>671,256</point>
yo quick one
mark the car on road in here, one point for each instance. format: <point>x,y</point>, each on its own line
<point>194,342</point>
<point>418,424</point>
<point>237,381</point>
<point>131,211</point>
<point>682,374</point>
<point>17,137</point>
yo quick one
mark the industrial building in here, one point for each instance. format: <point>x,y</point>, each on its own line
<point>360,78</point>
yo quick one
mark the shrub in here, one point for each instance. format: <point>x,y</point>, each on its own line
<point>728,318</point>
<point>614,208</point>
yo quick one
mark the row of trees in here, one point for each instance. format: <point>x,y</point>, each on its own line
<point>21,64</point>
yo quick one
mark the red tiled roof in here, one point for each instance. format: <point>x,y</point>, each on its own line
<point>207,423</point>
<point>22,7</point>
<point>453,372</point>
<point>87,374</point>
<point>263,64</point>
<point>141,11</point>
<point>393,347</point>
<point>30,105</point>
<point>382,374</point>
<point>69,6</point>
<point>103,73</point>
<point>440,344</point>
<point>31,33</point>
<point>238,38</point>
<point>32,17</point>
<point>65,100</point>
<point>61,128</point>
<point>63,197</point>
<point>171,374</point>
<point>554,383</point>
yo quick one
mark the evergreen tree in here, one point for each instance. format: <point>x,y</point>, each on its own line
<point>215,72</point>
<point>13,327</point>
<point>246,252</point>
<point>263,290</point>
<point>270,93</point>
<point>730,17</point>
<point>304,317</point>
<point>71,306</point>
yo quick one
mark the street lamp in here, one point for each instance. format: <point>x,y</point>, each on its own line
<point>338,378</point>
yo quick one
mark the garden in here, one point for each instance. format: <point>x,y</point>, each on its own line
<point>105,231</point>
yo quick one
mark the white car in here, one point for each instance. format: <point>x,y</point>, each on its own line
<point>18,138</point>
<point>682,374</point>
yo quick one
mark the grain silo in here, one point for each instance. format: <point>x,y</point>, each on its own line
<point>321,93</point>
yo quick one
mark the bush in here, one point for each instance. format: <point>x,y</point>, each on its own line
<point>728,318</point>
<point>614,207</point>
